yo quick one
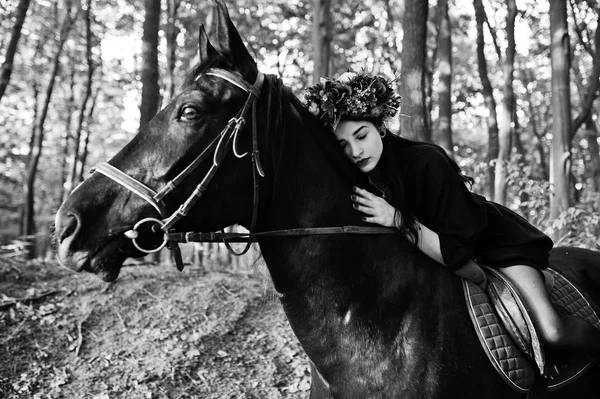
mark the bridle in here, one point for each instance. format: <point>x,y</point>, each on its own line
<point>219,147</point>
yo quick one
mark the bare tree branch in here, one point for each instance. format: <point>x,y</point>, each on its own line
<point>7,65</point>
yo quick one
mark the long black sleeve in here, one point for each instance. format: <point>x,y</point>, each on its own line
<point>445,205</point>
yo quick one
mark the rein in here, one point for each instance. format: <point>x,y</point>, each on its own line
<point>298,232</point>
<point>227,139</point>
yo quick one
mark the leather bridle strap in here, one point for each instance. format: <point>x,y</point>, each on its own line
<point>218,147</point>
<point>152,197</point>
<point>228,138</point>
<point>132,185</point>
<point>208,151</point>
<point>298,232</point>
<point>235,80</point>
<point>256,170</point>
<point>253,90</point>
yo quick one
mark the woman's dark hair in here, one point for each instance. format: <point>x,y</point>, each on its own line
<point>406,220</point>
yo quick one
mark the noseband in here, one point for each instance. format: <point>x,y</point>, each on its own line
<point>218,148</point>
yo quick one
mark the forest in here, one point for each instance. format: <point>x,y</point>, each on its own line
<point>507,88</point>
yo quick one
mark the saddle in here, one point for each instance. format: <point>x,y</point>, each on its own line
<point>508,336</point>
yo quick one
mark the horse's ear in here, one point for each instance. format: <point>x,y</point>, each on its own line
<point>205,49</point>
<point>230,42</point>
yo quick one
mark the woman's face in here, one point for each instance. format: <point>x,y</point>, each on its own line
<point>361,142</point>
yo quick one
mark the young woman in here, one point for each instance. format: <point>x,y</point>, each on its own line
<point>418,189</point>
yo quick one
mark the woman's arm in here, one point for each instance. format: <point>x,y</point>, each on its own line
<point>429,244</point>
<point>379,211</point>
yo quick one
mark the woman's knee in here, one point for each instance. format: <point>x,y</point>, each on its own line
<point>552,331</point>
<point>530,283</point>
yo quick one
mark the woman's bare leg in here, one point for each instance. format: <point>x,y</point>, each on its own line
<point>554,329</point>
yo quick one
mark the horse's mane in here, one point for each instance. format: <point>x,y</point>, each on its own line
<point>284,120</point>
<point>280,94</point>
<point>283,113</point>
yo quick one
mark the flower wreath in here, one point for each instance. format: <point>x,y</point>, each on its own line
<point>357,95</point>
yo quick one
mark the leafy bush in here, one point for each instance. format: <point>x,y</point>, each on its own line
<point>577,225</point>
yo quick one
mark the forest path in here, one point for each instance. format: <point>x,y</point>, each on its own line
<point>154,333</point>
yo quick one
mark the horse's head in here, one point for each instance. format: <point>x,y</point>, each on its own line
<point>168,165</point>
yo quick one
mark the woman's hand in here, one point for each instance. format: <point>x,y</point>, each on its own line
<point>473,272</point>
<point>375,209</point>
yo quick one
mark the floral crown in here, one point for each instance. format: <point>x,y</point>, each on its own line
<point>357,95</point>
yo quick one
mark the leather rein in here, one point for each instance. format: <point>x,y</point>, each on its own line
<point>217,149</point>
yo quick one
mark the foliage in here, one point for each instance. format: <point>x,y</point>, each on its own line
<point>530,196</point>
<point>581,222</point>
<point>357,95</point>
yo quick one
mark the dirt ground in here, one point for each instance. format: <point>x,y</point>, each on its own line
<point>154,333</point>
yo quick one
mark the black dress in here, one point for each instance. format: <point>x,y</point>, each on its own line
<point>469,226</point>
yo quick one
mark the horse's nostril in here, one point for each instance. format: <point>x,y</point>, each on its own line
<point>69,228</point>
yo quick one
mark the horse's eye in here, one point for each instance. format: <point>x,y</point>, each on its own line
<point>189,113</point>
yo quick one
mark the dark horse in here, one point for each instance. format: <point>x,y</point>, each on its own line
<point>376,317</point>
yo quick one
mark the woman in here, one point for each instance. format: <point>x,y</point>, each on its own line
<point>418,189</point>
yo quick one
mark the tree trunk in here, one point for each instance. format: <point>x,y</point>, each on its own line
<point>593,84</point>
<point>26,214</point>
<point>591,134</point>
<point>7,65</point>
<point>72,179</point>
<point>68,136</point>
<point>391,20</point>
<point>588,97</point>
<point>26,218</point>
<point>560,165</point>
<point>445,84</point>
<point>171,33</point>
<point>507,110</point>
<point>38,139</point>
<point>541,166</point>
<point>86,140</point>
<point>431,63</point>
<point>413,71</point>
<point>488,94</point>
<point>321,38</point>
<point>149,73</point>
<point>149,70</point>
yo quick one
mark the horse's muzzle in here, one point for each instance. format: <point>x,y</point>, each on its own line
<point>68,227</point>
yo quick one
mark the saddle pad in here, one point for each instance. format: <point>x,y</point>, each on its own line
<point>506,357</point>
<point>567,299</point>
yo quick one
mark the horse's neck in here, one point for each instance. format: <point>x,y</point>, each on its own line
<point>329,283</point>
<point>310,190</point>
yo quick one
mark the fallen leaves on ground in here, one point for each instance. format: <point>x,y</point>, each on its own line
<point>154,333</point>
